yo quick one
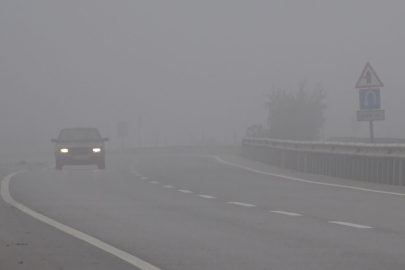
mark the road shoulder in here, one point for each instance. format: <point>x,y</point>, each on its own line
<point>26,243</point>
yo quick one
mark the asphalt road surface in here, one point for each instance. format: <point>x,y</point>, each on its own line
<point>193,212</point>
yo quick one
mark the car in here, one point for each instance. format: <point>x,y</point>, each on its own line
<point>79,146</point>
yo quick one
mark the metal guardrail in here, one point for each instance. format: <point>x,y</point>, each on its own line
<point>376,163</point>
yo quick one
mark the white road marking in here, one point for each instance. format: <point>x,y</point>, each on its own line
<point>144,178</point>
<point>207,196</point>
<point>287,213</point>
<point>168,186</point>
<point>153,182</point>
<point>308,181</point>
<point>5,194</point>
<point>243,204</point>
<point>185,191</point>
<point>350,224</point>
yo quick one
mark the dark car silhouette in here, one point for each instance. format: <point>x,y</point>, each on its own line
<point>79,146</point>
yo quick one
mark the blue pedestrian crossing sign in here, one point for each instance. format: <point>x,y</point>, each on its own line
<point>370,99</point>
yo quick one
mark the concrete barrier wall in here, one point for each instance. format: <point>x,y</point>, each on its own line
<point>376,163</point>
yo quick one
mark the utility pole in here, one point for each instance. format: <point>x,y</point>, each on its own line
<point>202,137</point>
<point>140,130</point>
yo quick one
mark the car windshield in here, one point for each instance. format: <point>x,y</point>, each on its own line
<point>79,134</point>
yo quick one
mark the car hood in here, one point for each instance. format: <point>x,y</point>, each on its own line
<point>79,144</point>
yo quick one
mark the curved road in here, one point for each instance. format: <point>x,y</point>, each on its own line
<point>189,212</point>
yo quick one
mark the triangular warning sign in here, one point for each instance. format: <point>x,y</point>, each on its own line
<point>368,78</point>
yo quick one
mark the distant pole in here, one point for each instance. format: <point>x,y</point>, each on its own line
<point>140,130</point>
<point>371,123</point>
<point>202,137</point>
<point>371,132</point>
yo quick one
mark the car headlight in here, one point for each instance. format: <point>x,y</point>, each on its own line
<point>64,150</point>
<point>96,150</point>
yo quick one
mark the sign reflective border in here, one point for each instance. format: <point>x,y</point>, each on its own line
<point>368,78</point>
<point>373,115</point>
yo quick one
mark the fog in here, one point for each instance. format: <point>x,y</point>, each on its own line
<point>194,70</point>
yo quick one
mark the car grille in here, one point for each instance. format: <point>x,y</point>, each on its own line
<point>80,151</point>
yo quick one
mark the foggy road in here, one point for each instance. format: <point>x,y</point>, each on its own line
<point>193,212</point>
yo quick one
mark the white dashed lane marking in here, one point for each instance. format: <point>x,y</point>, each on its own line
<point>168,186</point>
<point>207,196</point>
<point>144,178</point>
<point>287,213</point>
<point>358,226</point>
<point>242,204</point>
<point>185,191</point>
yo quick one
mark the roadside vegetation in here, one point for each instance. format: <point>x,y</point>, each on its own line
<point>293,115</point>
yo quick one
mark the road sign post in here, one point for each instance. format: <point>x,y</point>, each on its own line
<point>370,102</point>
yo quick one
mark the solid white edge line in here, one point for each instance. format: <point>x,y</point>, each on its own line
<point>242,204</point>
<point>207,196</point>
<point>185,191</point>
<point>287,213</point>
<point>307,181</point>
<point>5,194</point>
<point>358,226</point>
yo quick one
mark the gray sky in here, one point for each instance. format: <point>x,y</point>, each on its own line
<point>189,66</point>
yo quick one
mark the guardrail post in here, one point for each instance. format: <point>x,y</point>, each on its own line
<point>346,167</point>
<point>400,174</point>
<point>364,169</point>
<point>283,159</point>
<point>380,170</point>
<point>298,160</point>
<point>394,171</point>
<point>334,164</point>
<point>305,162</point>
<point>374,169</point>
<point>341,161</point>
<point>367,170</point>
<point>384,171</point>
<point>358,167</point>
